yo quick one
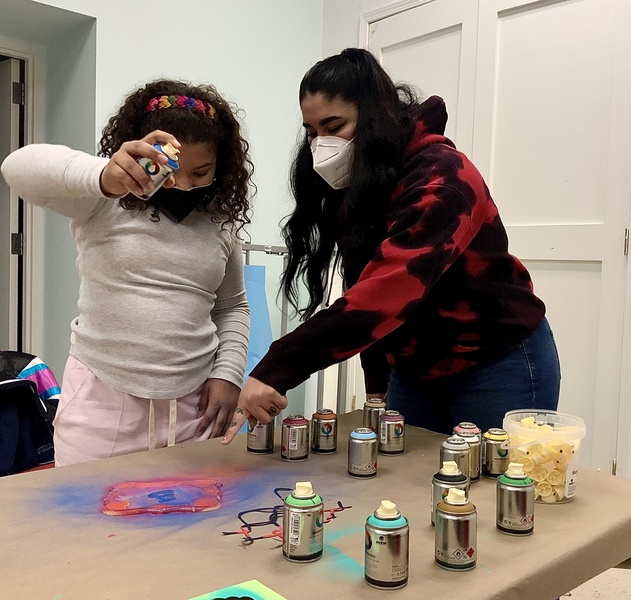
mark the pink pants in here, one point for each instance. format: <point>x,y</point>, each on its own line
<point>95,421</point>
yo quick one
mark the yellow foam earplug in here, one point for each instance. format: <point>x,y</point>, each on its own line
<point>555,477</point>
<point>558,492</point>
<point>546,453</point>
<point>538,474</point>
<point>528,422</point>
<point>549,466</point>
<point>527,462</point>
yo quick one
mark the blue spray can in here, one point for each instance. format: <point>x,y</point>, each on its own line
<point>159,173</point>
<point>387,554</point>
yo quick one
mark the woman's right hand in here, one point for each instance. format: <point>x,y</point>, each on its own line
<point>123,174</point>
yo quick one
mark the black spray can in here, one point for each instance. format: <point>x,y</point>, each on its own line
<point>456,448</point>
<point>303,524</point>
<point>447,477</point>
<point>387,549</point>
<point>260,438</point>
<point>456,532</point>
<point>515,501</point>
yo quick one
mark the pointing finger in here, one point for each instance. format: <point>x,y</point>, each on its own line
<point>240,416</point>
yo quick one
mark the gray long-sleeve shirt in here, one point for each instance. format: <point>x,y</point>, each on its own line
<point>162,305</point>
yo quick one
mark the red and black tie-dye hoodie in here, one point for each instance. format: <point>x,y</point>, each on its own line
<point>441,295</point>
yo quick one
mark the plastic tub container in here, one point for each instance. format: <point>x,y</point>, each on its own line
<point>546,443</point>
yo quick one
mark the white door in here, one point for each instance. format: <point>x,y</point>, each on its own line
<point>10,258</point>
<point>552,136</point>
<point>433,46</point>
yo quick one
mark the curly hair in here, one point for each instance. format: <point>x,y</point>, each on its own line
<point>233,177</point>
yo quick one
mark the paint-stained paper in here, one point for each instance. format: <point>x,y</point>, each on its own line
<point>249,590</point>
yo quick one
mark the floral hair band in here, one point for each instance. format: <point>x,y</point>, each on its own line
<point>181,102</point>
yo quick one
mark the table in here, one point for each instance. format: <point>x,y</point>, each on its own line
<point>55,544</point>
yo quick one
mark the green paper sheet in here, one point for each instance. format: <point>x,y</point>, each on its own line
<point>249,589</point>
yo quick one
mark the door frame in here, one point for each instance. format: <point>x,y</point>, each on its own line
<point>33,257</point>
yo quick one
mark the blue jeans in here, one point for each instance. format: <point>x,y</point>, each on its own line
<point>529,377</point>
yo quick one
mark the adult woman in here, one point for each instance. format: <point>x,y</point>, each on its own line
<point>445,318</point>
<point>158,349</point>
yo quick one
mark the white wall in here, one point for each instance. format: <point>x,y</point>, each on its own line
<point>254,52</point>
<point>341,22</point>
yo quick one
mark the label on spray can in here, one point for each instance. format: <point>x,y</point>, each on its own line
<point>456,532</point>
<point>294,438</point>
<point>495,458</point>
<point>159,173</point>
<point>386,557</point>
<point>303,524</point>
<point>391,432</point>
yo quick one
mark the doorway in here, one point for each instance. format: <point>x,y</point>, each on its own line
<point>12,221</point>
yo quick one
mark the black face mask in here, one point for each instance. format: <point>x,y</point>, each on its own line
<point>177,204</point>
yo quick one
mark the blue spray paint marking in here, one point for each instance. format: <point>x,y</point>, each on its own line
<point>345,566</point>
<point>84,501</point>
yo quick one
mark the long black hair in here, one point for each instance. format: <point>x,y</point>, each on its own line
<point>352,218</point>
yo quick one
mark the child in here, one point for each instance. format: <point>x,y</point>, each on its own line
<point>158,349</point>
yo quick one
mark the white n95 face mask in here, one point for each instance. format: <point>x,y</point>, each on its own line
<point>332,160</point>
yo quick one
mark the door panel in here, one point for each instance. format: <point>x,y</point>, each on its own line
<point>434,49</point>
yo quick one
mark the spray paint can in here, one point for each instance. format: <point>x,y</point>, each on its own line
<point>515,501</point>
<point>373,407</point>
<point>260,438</point>
<point>475,461</point>
<point>362,452</point>
<point>303,524</point>
<point>294,443</point>
<point>456,448</point>
<point>324,431</point>
<point>159,173</point>
<point>391,432</point>
<point>467,426</point>
<point>456,532</point>
<point>447,477</point>
<point>495,458</point>
<point>387,552</point>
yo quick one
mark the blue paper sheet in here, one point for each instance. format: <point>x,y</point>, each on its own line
<point>260,326</point>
